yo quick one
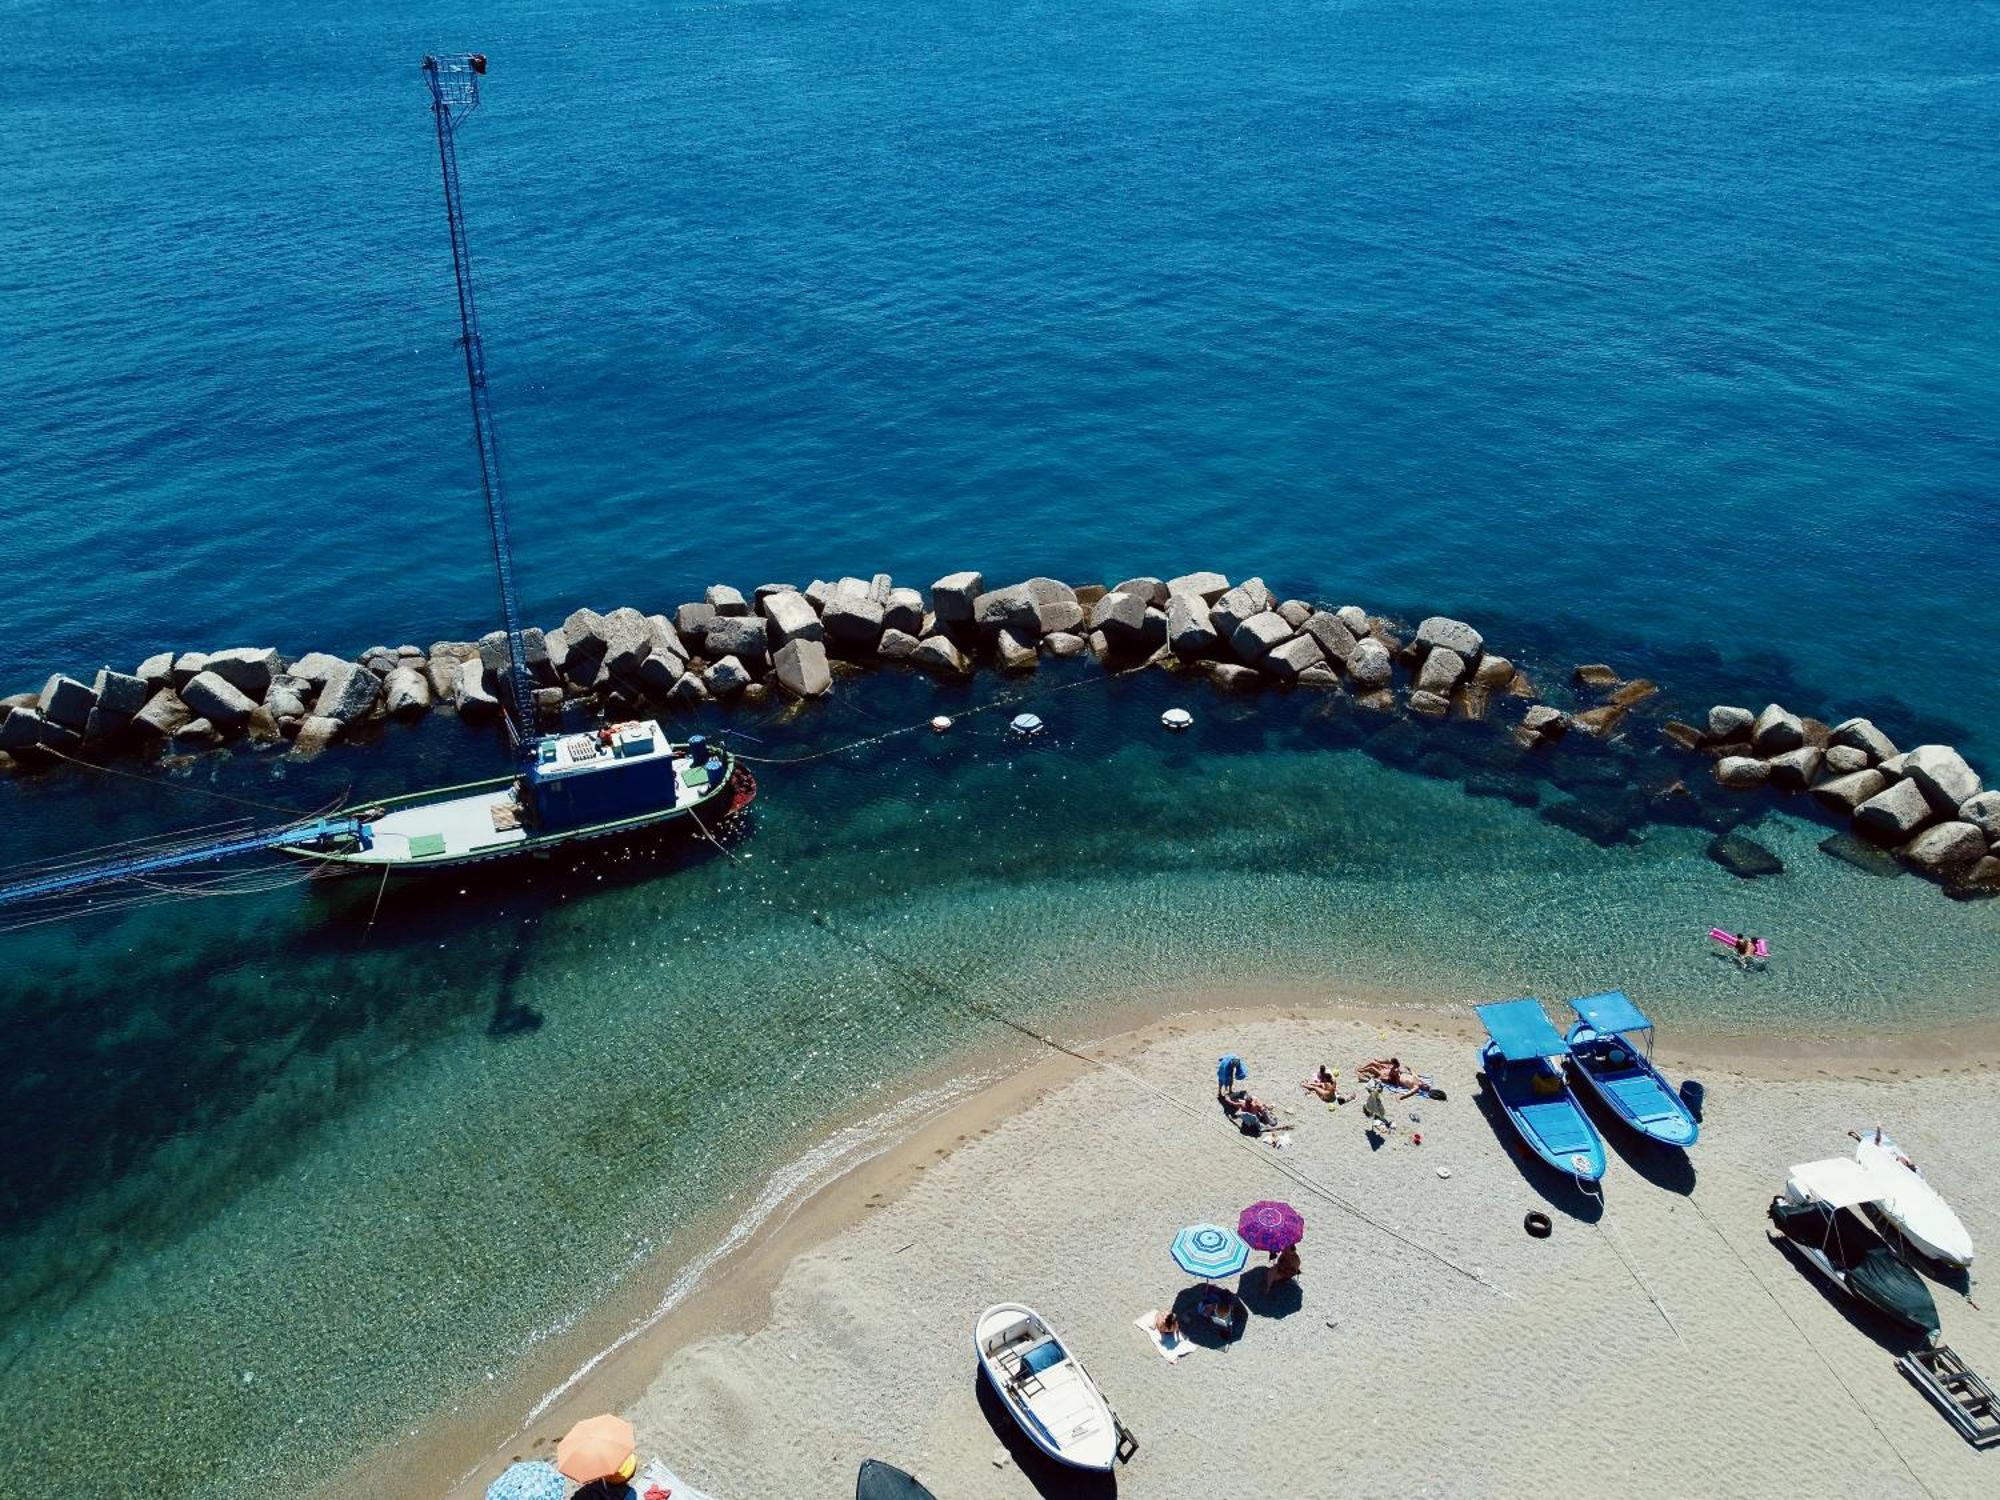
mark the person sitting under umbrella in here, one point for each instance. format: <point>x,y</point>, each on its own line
<point>1284,1267</point>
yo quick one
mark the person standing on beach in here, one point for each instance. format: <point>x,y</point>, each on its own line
<point>1229,1071</point>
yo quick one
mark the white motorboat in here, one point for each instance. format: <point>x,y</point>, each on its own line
<point>1041,1384</point>
<point>1914,1209</point>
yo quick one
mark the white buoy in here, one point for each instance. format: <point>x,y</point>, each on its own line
<point>941,724</point>
<point>1027,726</point>
<point>1177,719</point>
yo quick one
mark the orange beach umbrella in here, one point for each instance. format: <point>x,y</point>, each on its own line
<point>596,1448</point>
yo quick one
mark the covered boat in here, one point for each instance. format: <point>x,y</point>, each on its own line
<point>1532,1089</point>
<point>1816,1219</point>
<point>1611,1046</point>
<point>572,787</point>
<point>880,1481</point>
<point>1913,1208</point>
<point>1047,1392</point>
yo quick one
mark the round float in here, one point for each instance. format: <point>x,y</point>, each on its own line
<point>1026,726</point>
<point>1177,719</point>
<point>941,724</point>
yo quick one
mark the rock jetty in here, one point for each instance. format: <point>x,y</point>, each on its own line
<point>731,646</point>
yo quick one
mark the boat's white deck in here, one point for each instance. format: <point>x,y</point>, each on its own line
<point>464,823</point>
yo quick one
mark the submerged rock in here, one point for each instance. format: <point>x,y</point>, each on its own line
<point>1744,857</point>
<point>1863,856</point>
<point>1430,705</point>
<point>1595,674</point>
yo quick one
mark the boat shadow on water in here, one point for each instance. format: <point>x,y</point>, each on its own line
<point>1560,1190</point>
<point>1052,1481</point>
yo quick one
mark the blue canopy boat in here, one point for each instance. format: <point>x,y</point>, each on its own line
<point>1612,1047</point>
<point>1533,1090</point>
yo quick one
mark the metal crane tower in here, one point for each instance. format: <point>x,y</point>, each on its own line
<point>454,86</point>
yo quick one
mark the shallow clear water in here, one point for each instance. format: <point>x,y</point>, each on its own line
<point>366,1166</point>
<point>1659,334</point>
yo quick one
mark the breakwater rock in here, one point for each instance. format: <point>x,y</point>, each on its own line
<point>1439,699</point>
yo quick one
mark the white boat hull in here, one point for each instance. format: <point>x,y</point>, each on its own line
<point>1050,1396</point>
<point>1917,1210</point>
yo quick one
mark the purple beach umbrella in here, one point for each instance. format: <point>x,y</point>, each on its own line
<point>1271,1226</point>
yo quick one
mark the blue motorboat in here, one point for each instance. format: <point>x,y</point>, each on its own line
<point>1611,1045</point>
<point>1533,1090</point>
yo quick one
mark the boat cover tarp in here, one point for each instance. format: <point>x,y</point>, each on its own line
<point>1521,1030</point>
<point>1842,1182</point>
<point>1892,1286</point>
<point>1611,1011</point>
<point>879,1481</point>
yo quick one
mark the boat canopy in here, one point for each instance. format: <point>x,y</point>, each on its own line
<point>1843,1182</point>
<point>1520,1029</point>
<point>1611,1011</point>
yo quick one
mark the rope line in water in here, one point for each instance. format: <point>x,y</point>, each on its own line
<point>945,990</point>
<point>289,814</point>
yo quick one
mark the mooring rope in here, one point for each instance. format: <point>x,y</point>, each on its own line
<point>988,1011</point>
<point>90,765</point>
<point>1805,1338</point>
<point>1603,1227</point>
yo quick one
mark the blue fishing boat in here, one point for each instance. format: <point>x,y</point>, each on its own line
<point>1533,1090</point>
<point>1611,1045</point>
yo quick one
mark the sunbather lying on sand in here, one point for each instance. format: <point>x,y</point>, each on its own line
<point>1392,1072</point>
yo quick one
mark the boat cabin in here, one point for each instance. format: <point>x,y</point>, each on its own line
<point>609,774</point>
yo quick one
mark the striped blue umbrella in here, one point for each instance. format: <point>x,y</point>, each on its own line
<point>1210,1251</point>
<point>529,1481</point>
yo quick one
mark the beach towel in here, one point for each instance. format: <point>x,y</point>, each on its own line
<point>656,1476</point>
<point>1171,1353</point>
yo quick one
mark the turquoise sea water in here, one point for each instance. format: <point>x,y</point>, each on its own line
<point>1659,334</point>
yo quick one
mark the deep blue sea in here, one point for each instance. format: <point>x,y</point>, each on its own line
<point>1664,333</point>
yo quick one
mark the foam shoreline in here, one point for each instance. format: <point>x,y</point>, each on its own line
<point>691,1310</point>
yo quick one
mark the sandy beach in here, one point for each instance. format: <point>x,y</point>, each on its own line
<point>1655,1344</point>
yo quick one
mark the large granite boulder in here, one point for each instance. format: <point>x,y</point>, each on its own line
<point>692,621</point>
<point>316,668</point>
<point>1846,793</point>
<point>659,672</point>
<point>1442,633</point>
<point>725,600</point>
<point>1355,618</point>
<point>1895,814</point>
<point>248,669</point>
<point>1253,638</point>
<point>1493,672</point>
<point>1430,705</point>
<point>904,610</point>
<point>220,701</point>
<point>1121,616</point>
<point>1240,604</point>
<point>1207,587</point>
<point>1727,722</point>
<point>21,727</point>
<point>1947,847</point>
<point>67,702</point>
<point>1741,772</point>
<point>1289,659</point>
<point>1441,670</point>
<point>953,596</point>
<point>586,637</point>
<point>1938,769</point>
<point>1063,643</point>
<point>853,622</point>
<point>744,637</point>
<point>897,645</point>
<point>348,696</point>
<point>1059,614</point>
<point>163,714</point>
<point>1983,812</point>
<point>1235,677</point>
<point>666,640</point>
<point>441,668</point>
<point>688,690</point>
<point>1862,735</point>
<point>1844,760</point>
<point>1189,630</point>
<point>1336,641</point>
<point>469,691</point>
<point>314,735</point>
<point>1369,664</point>
<point>1295,613</point>
<point>939,653</point>
<point>188,665</point>
<point>1795,769</point>
<point>1777,730</point>
<point>157,670</point>
<point>725,678</point>
<point>1149,590</point>
<point>791,618</point>
<point>628,640</point>
<point>406,692</point>
<point>119,693</point>
<point>1019,605</point>
<point>1015,650</point>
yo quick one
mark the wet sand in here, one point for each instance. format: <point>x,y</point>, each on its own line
<point>1430,1333</point>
